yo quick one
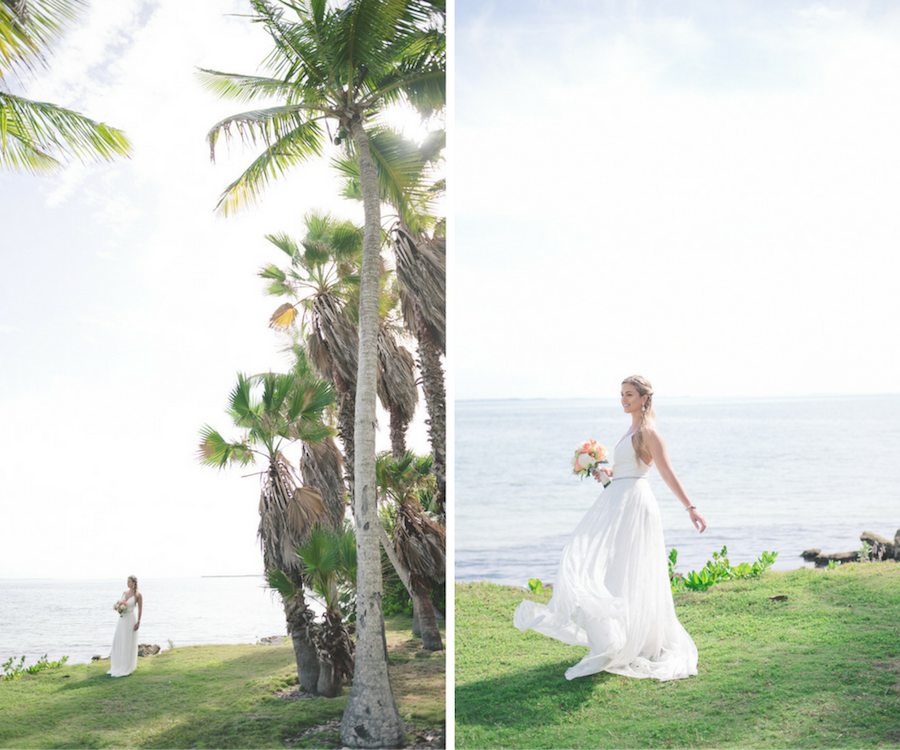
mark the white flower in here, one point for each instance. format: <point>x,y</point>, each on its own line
<point>586,460</point>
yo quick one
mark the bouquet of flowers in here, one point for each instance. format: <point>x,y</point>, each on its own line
<point>120,607</point>
<point>588,456</point>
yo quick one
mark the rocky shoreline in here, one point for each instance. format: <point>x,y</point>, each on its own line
<point>880,549</point>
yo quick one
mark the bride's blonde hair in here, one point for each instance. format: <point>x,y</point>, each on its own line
<point>134,578</point>
<point>648,416</point>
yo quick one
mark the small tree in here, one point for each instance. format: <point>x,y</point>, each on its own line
<point>273,409</point>
<point>418,548</point>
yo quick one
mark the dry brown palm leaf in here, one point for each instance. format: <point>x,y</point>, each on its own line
<point>283,317</point>
<point>322,466</point>
<point>305,509</point>
<point>397,385</point>
<point>422,272</point>
<point>420,543</point>
<point>339,334</point>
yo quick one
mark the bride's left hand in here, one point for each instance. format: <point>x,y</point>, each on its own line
<point>698,520</point>
<point>137,625</point>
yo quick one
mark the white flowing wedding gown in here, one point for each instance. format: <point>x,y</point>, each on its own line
<point>612,590</point>
<point>124,655</point>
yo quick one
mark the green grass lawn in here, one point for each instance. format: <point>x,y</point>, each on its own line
<point>819,670</point>
<point>204,696</point>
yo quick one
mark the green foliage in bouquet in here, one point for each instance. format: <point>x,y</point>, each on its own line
<point>717,569</point>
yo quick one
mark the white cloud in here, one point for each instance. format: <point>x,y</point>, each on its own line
<point>717,208</point>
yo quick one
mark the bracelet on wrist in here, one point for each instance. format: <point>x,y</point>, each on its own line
<point>690,507</point>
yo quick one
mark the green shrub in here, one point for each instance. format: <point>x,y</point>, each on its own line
<point>717,569</point>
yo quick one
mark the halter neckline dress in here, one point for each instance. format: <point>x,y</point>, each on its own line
<point>612,591</point>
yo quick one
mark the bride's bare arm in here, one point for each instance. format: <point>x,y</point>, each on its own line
<point>657,449</point>
<point>140,609</point>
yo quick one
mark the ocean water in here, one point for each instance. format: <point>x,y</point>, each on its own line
<point>76,618</point>
<point>779,475</point>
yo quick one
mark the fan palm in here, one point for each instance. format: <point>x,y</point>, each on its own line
<point>323,278</point>
<point>36,136</point>
<point>329,557</point>
<point>288,407</point>
<point>418,550</point>
<point>344,64</point>
<point>421,271</point>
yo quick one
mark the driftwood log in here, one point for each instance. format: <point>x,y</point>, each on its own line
<point>881,549</point>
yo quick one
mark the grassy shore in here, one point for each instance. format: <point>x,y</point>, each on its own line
<point>820,669</point>
<point>206,696</point>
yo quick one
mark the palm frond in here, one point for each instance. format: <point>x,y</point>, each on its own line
<point>284,316</point>
<point>28,29</point>
<point>404,175</point>
<point>302,50</point>
<point>321,559</point>
<point>420,543</point>
<point>397,386</point>
<point>32,134</point>
<point>285,148</point>
<point>286,244</point>
<point>421,269</point>
<point>242,88</point>
<point>276,579</point>
<point>241,405</point>
<point>216,451</point>
<point>305,509</point>
<point>309,399</point>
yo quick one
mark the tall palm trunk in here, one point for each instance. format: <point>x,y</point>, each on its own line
<point>371,717</point>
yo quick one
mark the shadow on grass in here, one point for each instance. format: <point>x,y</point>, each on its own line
<point>541,695</point>
<point>203,696</point>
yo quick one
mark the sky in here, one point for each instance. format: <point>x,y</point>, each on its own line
<point>702,192</point>
<point>127,307</point>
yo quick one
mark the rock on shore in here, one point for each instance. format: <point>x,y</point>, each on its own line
<point>882,549</point>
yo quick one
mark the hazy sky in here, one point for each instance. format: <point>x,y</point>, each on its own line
<point>702,192</point>
<point>127,308</point>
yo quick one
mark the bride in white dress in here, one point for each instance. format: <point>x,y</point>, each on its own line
<point>124,655</point>
<point>612,590</point>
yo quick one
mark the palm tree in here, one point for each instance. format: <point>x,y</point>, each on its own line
<point>345,65</point>
<point>418,550</point>
<point>329,557</point>
<point>289,407</point>
<point>323,277</point>
<point>36,136</point>
<point>421,270</point>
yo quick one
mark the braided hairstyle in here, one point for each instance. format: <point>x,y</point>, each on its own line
<point>648,416</point>
<point>134,578</point>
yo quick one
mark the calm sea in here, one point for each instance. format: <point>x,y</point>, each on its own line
<point>780,475</point>
<point>76,618</point>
